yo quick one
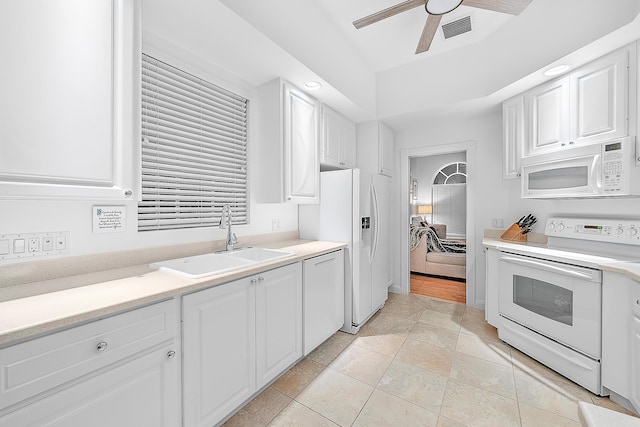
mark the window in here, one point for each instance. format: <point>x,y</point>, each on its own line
<point>454,173</point>
<point>194,150</point>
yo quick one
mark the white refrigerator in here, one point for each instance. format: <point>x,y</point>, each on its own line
<point>354,209</point>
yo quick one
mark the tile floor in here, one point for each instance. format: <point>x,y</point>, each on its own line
<point>419,362</point>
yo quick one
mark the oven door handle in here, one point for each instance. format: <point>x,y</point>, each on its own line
<point>592,276</point>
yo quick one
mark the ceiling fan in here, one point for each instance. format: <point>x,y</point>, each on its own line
<point>435,10</point>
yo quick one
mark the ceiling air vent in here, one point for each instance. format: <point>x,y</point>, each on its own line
<point>457,27</point>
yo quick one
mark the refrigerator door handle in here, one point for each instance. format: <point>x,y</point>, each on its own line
<point>376,226</point>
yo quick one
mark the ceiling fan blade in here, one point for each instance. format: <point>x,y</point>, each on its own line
<point>512,7</point>
<point>429,31</point>
<point>388,12</point>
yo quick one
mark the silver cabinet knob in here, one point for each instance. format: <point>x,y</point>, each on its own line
<point>260,279</point>
<point>171,354</point>
<point>253,281</point>
<point>102,346</point>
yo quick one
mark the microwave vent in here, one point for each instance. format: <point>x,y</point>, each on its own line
<point>457,27</point>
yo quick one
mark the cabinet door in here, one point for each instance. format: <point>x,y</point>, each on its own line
<point>278,321</point>
<point>71,84</point>
<point>323,298</point>
<point>385,150</point>
<point>618,335</point>
<point>513,136</point>
<point>301,165</point>
<point>548,107</point>
<point>491,287</point>
<point>599,100</point>
<point>331,138</point>
<point>219,351</point>
<point>348,144</point>
<point>635,344</point>
<point>144,392</point>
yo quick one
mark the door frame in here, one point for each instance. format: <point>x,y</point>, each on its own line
<point>469,148</point>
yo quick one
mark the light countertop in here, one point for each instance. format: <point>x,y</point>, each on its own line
<point>108,292</point>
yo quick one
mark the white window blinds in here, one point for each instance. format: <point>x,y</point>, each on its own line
<point>194,150</point>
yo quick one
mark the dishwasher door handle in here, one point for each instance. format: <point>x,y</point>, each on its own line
<point>577,272</point>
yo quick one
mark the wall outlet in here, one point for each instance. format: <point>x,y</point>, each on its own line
<point>275,225</point>
<point>34,245</point>
<point>497,222</point>
<point>28,245</point>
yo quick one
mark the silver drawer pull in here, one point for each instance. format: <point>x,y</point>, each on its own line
<point>260,279</point>
<point>171,354</point>
<point>253,281</point>
<point>102,345</point>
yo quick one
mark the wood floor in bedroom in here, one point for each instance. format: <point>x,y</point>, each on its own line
<point>437,287</point>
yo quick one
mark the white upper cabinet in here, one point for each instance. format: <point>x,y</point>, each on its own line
<point>590,104</point>
<point>68,98</point>
<point>385,150</point>
<point>375,148</point>
<point>338,141</point>
<point>548,116</point>
<point>513,136</point>
<point>287,163</point>
<point>600,99</point>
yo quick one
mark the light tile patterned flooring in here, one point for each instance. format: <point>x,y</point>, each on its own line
<point>419,362</point>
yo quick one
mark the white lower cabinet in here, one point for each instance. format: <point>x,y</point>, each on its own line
<point>635,344</point>
<point>621,338</point>
<point>278,321</point>
<point>119,371</point>
<point>323,298</point>
<point>237,337</point>
<point>491,291</point>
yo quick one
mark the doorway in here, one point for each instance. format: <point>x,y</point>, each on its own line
<point>437,226</point>
<point>468,149</point>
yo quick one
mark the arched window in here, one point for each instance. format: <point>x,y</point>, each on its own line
<point>454,173</point>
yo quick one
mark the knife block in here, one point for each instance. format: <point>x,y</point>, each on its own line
<point>514,234</point>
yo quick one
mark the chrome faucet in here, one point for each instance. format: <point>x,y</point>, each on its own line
<point>231,237</point>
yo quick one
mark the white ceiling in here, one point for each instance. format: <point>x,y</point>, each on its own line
<point>373,72</point>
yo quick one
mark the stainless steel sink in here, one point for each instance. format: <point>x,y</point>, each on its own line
<point>198,266</point>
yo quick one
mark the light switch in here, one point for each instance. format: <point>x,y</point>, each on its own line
<point>4,247</point>
<point>41,244</point>
<point>18,246</point>
<point>47,243</point>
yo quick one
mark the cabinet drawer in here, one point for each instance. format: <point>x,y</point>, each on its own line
<point>35,366</point>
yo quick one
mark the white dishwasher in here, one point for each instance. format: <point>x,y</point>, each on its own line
<point>323,296</point>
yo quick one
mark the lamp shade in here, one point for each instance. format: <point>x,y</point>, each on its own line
<point>425,209</point>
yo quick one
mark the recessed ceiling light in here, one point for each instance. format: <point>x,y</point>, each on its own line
<point>558,69</point>
<point>312,85</point>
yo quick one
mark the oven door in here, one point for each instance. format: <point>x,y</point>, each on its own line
<point>560,301</point>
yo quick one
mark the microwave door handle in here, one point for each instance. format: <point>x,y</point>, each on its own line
<point>552,268</point>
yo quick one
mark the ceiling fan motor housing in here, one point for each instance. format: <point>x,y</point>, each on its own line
<point>440,7</point>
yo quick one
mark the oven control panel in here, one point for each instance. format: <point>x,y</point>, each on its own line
<point>603,230</point>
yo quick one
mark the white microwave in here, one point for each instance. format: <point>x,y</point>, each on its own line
<point>606,169</point>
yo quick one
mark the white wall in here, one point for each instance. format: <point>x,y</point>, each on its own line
<point>495,197</point>
<point>30,216</point>
<point>490,201</point>
<point>424,170</point>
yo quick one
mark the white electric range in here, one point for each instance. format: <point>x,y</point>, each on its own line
<point>550,296</point>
